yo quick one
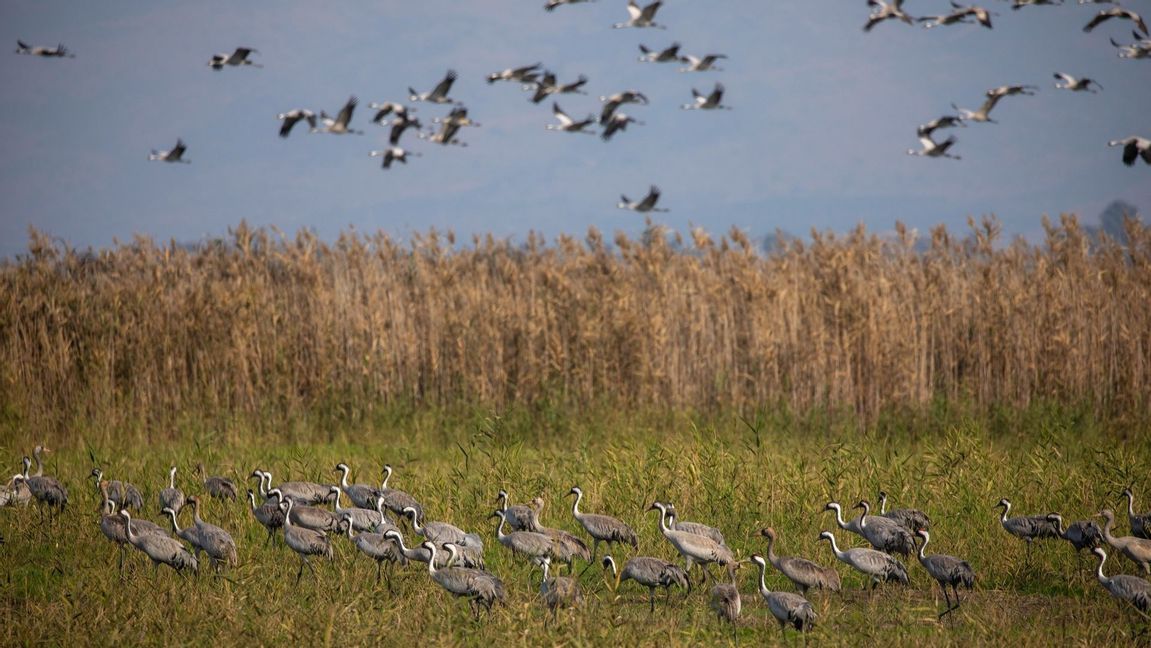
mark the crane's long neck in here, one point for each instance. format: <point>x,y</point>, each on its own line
<point>336,502</point>
<point>196,512</point>
<point>771,549</point>
<point>39,462</point>
<point>288,515</point>
<point>839,517</point>
<point>922,549</point>
<point>1099,571</point>
<point>575,504</point>
<point>835,548</point>
<point>172,477</point>
<point>106,501</point>
<point>387,476</point>
<point>1109,522</point>
<point>252,500</point>
<point>265,477</point>
<point>432,559</point>
<point>175,523</point>
<point>663,520</point>
<point>763,580</point>
<point>1130,503</point>
<point>27,467</point>
<point>415,521</point>
<point>500,527</point>
<point>883,504</point>
<point>1003,515</point>
<point>544,582</point>
<point>863,514</point>
<point>351,530</point>
<point>343,476</point>
<point>132,536</point>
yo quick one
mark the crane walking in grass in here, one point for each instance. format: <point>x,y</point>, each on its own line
<point>651,573</point>
<point>947,571</point>
<point>788,608</point>
<point>602,528</point>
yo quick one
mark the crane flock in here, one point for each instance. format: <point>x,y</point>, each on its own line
<point>297,512</point>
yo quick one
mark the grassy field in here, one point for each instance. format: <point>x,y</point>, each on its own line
<point>58,582</point>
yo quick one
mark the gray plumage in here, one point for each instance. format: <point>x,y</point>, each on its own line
<point>187,534</point>
<point>788,609</point>
<point>378,547</point>
<point>651,573</point>
<point>1138,550</point>
<point>364,519</point>
<point>946,570</point>
<point>559,591</point>
<point>693,527</point>
<point>481,588</point>
<point>172,497</point>
<point>1029,528</point>
<point>883,533</point>
<point>303,515</point>
<point>362,495</point>
<point>1082,534</point>
<point>269,514</point>
<point>215,541</point>
<point>568,547</point>
<point>536,546</point>
<point>115,528</point>
<point>397,500</point>
<point>160,548</point>
<point>16,493</point>
<point>1140,523</point>
<point>123,494</point>
<point>803,573</point>
<point>880,567</point>
<point>694,548</point>
<point>518,516</point>
<point>1132,589</point>
<point>416,554</point>
<point>726,602</point>
<point>47,490</point>
<point>301,492</point>
<point>216,486</point>
<point>602,528</point>
<point>304,541</point>
<point>442,533</point>
<point>910,519</point>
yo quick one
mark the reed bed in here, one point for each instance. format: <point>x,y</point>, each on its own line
<point>262,324</point>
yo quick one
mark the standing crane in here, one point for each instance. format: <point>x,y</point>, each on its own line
<point>269,514</point>
<point>1029,528</point>
<point>442,532</point>
<point>310,517</point>
<point>560,591</point>
<point>218,487</point>
<point>884,533</point>
<point>172,497</point>
<point>1132,589</point>
<point>518,516</point>
<point>651,573</point>
<point>694,548</point>
<point>115,528</point>
<point>602,528</point>
<point>910,519</point>
<point>803,573</point>
<point>161,548</point>
<point>417,554</point>
<point>726,603</point>
<point>874,564</point>
<point>788,608</point>
<point>1136,549</point>
<point>363,518</point>
<point>568,546</point>
<point>362,495</point>
<point>395,499</point>
<point>187,534</point>
<point>216,542</point>
<point>46,489</point>
<point>378,547</point>
<point>693,527</point>
<point>304,541</point>
<point>1082,534</point>
<point>536,546</point>
<point>481,588</point>
<point>123,494</point>
<point>946,570</point>
<point>303,492</point>
<point>1140,523</point>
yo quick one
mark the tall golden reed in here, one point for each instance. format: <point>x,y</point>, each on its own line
<point>262,323</point>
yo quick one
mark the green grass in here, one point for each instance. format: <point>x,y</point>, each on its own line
<point>58,582</point>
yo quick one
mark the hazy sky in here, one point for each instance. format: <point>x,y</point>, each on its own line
<point>822,116</point>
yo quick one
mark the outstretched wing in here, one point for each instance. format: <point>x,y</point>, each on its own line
<point>648,12</point>
<point>716,95</point>
<point>443,87</point>
<point>563,117</point>
<point>345,116</point>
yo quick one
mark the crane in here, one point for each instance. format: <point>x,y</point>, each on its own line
<point>1028,528</point>
<point>788,608</point>
<point>218,487</point>
<point>946,570</point>
<point>874,564</point>
<point>481,588</point>
<point>803,573</point>
<point>376,546</point>
<point>602,528</point>
<point>1132,589</point>
<point>694,548</point>
<point>172,497</point>
<point>123,494</point>
<point>726,602</point>
<point>160,548</point>
<point>303,515</point>
<point>269,514</point>
<point>518,516</point>
<point>1140,523</point>
<point>883,533</point>
<point>1137,549</point>
<point>693,527</point>
<point>650,573</point>
<point>215,541</point>
<point>304,541</point>
<point>913,519</point>
<point>536,546</point>
<point>559,591</point>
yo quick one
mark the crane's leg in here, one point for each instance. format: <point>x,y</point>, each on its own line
<point>379,569</point>
<point>947,597</point>
<point>651,599</point>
